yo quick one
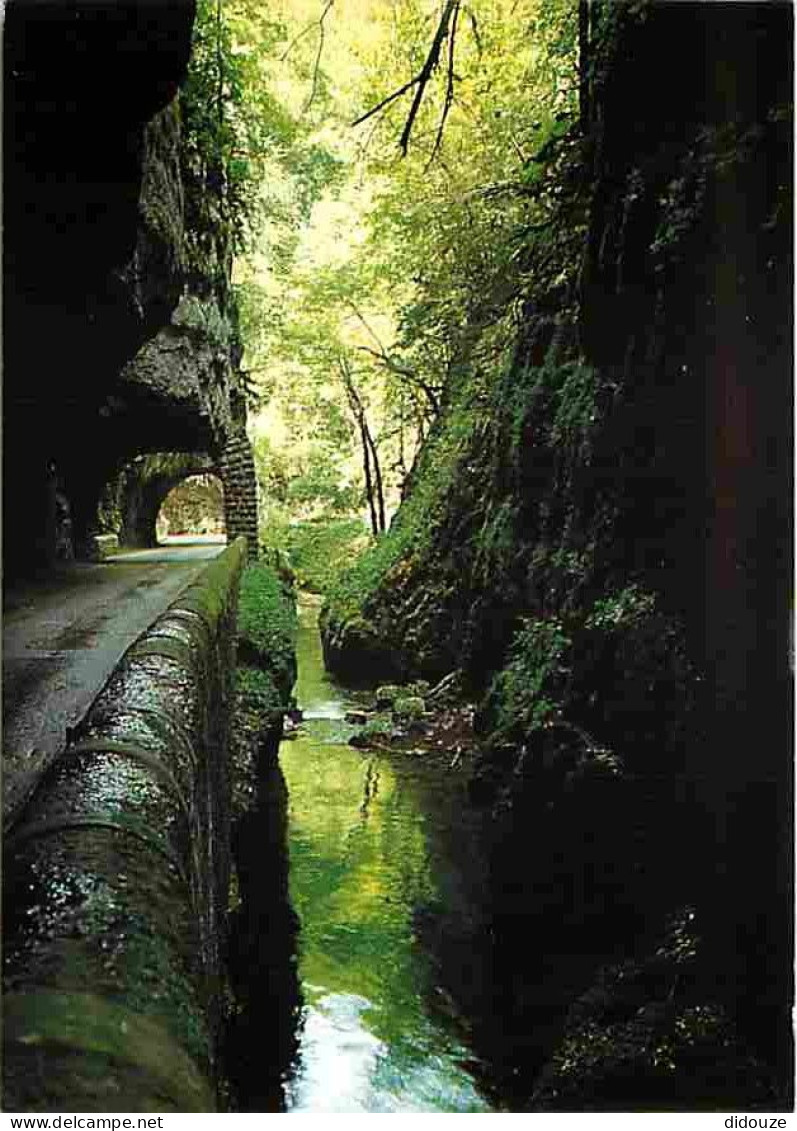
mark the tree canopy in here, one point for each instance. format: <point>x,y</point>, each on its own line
<point>384,170</point>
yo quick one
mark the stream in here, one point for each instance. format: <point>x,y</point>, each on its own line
<point>384,878</point>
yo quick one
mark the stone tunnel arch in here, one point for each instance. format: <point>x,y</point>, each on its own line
<point>193,506</point>
<point>144,484</point>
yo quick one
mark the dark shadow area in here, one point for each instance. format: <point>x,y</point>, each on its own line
<point>261,1036</point>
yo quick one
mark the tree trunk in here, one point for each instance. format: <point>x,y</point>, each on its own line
<point>380,494</point>
<point>373,482</point>
<point>369,485</point>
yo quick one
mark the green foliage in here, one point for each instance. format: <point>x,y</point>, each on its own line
<point>273,530</point>
<point>237,133</point>
<point>408,709</point>
<point>453,224</point>
<point>616,670</point>
<point>497,539</point>
<point>273,471</point>
<point>558,405</point>
<point>376,730</point>
<point>534,421</point>
<point>307,508</point>
<point>305,480</point>
<point>350,591</point>
<point>577,411</point>
<point>630,606</point>
<point>215,176</point>
<point>267,626</point>
<point>318,485</point>
<point>205,319</point>
<point>257,693</point>
<point>521,552</point>
<point>682,198</point>
<point>319,550</point>
<point>526,692</point>
<point>195,506</point>
<point>408,273</point>
<point>435,271</point>
<point>349,594</point>
<point>441,464</point>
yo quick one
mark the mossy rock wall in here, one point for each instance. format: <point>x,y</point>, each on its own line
<point>116,879</point>
<point>261,1036</point>
<point>117,287</point>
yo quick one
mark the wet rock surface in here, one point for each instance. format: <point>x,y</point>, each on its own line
<point>60,643</point>
<point>417,719</point>
<point>260,1034</point>
<point>116,879</point>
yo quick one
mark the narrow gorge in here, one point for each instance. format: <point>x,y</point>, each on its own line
<point>461,780</point>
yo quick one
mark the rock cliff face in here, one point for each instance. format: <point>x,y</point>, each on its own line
<point>114,344</point>
<point>605,551</point>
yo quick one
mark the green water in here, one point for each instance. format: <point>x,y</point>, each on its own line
<point>374,843</point>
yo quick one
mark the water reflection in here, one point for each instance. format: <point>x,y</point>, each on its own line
<point>366,866</point>
<point>339,1057</point>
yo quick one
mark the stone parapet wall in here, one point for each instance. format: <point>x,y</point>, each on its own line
<point>237,469</point>
<point>116,877</point>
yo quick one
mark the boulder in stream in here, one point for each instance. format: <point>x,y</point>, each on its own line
<point>408,709</point>
<point>387,695</point>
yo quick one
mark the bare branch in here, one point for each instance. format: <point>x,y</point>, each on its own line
<point>305,31</point>
<point>365,324</point>
<point>386,101</point>
<point>371,466</point>
<point>475,29</point>
<point>389,362</point>
<point>449,85</point>
<point>316,68</point>
<point>432,59</point>
<point>420,80</point>
<point>403,371</point>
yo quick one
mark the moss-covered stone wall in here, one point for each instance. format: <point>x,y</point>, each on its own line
<point>116,880</point>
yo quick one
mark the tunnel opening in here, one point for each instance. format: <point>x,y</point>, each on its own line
<point>193,508</point>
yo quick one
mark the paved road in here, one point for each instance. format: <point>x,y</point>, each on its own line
<point>63,637</point>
